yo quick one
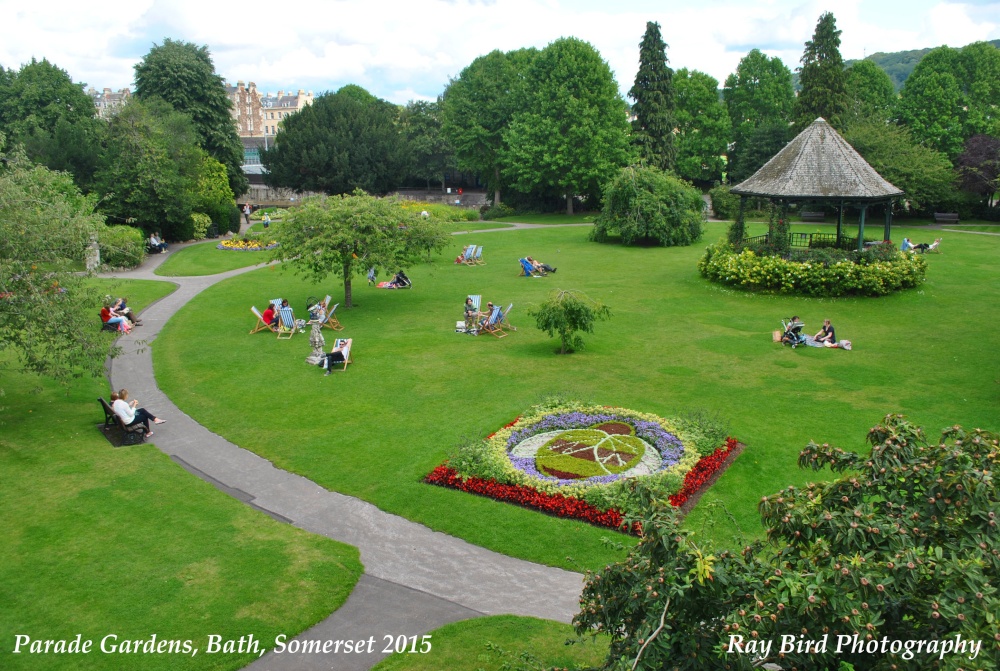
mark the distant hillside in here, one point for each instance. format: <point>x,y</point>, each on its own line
<point>898,64</point>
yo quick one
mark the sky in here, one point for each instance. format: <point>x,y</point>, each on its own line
<point>403,50</point>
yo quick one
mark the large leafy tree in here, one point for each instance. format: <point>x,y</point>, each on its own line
<point>653,93</point>
<point>901,548</point>
<point>824,83</point>
<point>430,152</point>
<point>48,311</point>
<point>479,105</point>
<point>871,95</point>
<point>183,74</point>
<point>647,206</point>
<point>979,167</point>
<point>757,146</point>
<point>44,110</point>
<point>345,235</point>
<point>344,141</point>
<point>572,134</point>
<point>703,127</point>
<point>952,95</point>
<point>925,175</point>
<point>149,169</point>
<point>758,94</point>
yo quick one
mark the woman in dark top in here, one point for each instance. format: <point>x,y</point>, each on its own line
<point>826,334</point>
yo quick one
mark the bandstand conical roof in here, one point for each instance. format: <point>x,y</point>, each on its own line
<point>818,165</point>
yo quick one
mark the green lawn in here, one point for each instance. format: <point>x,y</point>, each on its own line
<point>206,259</point>
<point>463,645</point>
<point>552,219</point>
<point>675,344</point>
<point>101,540</point>
<point>976,228</point>
<point>458,226</point>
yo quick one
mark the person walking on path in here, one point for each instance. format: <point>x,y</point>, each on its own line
<point>246,212</point>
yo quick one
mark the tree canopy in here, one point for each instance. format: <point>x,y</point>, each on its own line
<point>901,548</point>
<point>824,83</point>
<point>183,74</point>
<point>979,167</point>
<point>703,127</point>
<point>47,309</point>
<point>345,235</point>
<point>758,94</point>
<point>870,93</point>
<point>479,105</point>
<point>344,141</point>
<point>431,154</point>
<point>653,93</point>
<point>647,206</point>
<point>572,134</point>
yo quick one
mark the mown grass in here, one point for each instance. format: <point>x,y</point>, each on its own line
<point>551,219</point>
<point>463,645</point>
<point>675,344</point>
<point>206,259</point>
<point>100,540</point>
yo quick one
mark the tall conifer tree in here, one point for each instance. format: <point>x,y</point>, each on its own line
<point>822,75</point>
<point>653,93</point>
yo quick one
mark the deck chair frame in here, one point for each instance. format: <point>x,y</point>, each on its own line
<point>492,323</point>
<point>470,322</point>
<point>504,322</point>
<point>261,324</point>
<point>347,353</point>
<point>287,323</point>
<point>331,321</point>
<point>478,258</point>
<point>527,270</point>
<point>470,255</point>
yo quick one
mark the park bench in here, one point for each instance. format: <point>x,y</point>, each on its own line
<point>946,217</point>
<point>131,435</point>
<point>812,216</point>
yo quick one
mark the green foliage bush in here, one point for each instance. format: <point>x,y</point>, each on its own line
<point>441,211</point>
<point>869,275</point>
<point>498,211</point>
<point>235,219</point>
<point>566,312</point>
<point>648,206</point>
<point>724,204</point>
<point>121,246</point>
<point>707,431</point>
<point>200,224</point>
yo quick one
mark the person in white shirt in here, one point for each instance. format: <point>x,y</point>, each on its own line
<point>130,414</point>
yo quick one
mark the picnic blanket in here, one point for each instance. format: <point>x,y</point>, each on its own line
<point>840,344</point>
<point>386,285</point>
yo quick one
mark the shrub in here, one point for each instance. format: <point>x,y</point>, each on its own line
<point>867,275</point>
<point>200,224</point>
<point>498,211</point>
<point>724,204</point>
<point>647,206</point>
<point>566,312</point>
<point>235,219</point>
<point>121,246</point>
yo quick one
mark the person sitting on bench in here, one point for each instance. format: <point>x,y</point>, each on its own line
<point>826,334</point>
<point>131,414</point>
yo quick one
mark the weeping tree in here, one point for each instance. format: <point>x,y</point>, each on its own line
<point>567,312</point>
<point>647,206</point>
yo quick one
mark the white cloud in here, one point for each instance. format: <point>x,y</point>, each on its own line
<point>405,50</point>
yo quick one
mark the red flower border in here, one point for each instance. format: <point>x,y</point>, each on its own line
<point>704,473</point>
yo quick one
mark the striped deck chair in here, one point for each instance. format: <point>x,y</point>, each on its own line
<point>346,352</point>
<point>470,255</point>
<point>287,329</point>
<point>478,258</point>
<point>470,321</point>
<point>504,322</point>
<point>331,321</point>
<point>527,270</point>
<point>492,323</point>
<point>261,324</point>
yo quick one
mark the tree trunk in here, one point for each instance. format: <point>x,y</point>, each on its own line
<point>347,285</point>
<point>569,202</point>
<point>496,186</point>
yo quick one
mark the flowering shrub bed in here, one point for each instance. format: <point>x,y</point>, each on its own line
<point>574,460</point>
<point>703,473</point>
<point>246,245</point>
<point>747,270</point>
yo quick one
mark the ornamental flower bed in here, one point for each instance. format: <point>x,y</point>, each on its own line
<point>241,245</point>
<point>576,461</point>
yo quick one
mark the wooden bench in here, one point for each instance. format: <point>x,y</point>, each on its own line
<point>812,216</point>
<point>131,435</point>
<point>946,217</point>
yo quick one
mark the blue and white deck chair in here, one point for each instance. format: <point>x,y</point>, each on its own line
<point>261,324</point>
<point>492,323</point>
<point>467,257</point>
<point>331,321</point>
<point>470,321</point>
<point>478,258</point>
<point>346,343</point>
<point>527,270</point>
<point>504,322</point>
<point>287,329</point>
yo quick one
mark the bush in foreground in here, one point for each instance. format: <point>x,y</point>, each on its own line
<point>890,566</point>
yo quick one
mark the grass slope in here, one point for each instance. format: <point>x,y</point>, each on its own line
<point>99,540</point>
<point>675,344</point>
<point>206,259</point>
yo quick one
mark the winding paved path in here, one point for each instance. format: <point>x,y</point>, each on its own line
<point>415,579</point>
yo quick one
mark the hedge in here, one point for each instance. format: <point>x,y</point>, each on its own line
<point>747,270</point>
<point>121,246</point>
